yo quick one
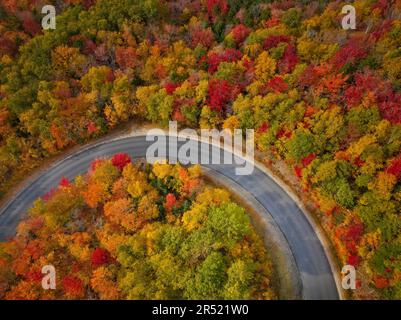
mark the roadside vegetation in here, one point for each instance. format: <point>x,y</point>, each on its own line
<point>135,231</point>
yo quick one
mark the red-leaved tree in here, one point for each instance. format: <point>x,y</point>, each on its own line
<point>395,167</point>
<point>73,287</point>
<point>100,257</point>
<point>120,160</point>
<point>170,201</point>
<point>240,32</point>
<point>219,94</point>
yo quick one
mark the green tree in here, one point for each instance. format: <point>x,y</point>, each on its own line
<point>300,145</point>
<point>209,278</point>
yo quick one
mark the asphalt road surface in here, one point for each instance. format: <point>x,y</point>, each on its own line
<point>314,269</point>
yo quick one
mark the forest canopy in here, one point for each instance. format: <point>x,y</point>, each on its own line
<point>323,100</point>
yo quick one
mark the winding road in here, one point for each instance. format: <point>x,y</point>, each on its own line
<point>314,272</point>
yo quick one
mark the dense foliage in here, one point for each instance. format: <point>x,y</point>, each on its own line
<point>325,100</point>
<point>138,232</point>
